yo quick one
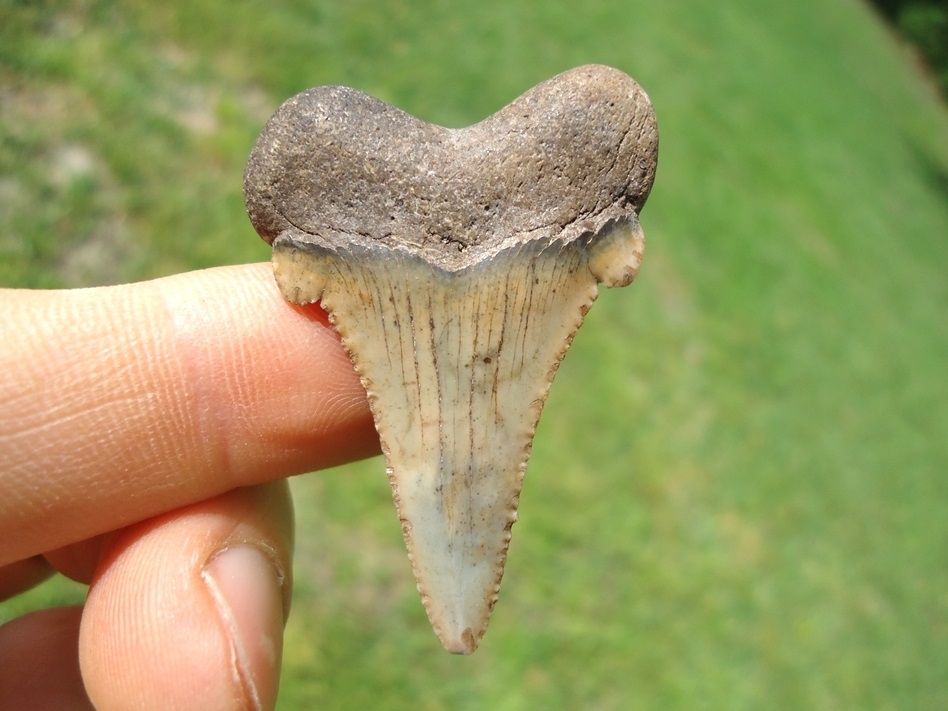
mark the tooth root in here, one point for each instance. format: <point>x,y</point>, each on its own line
<point>457,366</point>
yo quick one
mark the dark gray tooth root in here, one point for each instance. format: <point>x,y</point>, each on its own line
<point>457,265</point>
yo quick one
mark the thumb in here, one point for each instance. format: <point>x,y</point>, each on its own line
<point>187,610</point>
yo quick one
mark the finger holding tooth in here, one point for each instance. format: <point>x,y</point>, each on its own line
<point>457,265</point>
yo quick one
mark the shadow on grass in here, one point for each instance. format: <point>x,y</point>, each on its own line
<point>934,171</point>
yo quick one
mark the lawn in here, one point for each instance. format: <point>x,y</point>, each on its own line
<point>738,495</point>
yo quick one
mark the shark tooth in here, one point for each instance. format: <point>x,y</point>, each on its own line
<point>456,265</point>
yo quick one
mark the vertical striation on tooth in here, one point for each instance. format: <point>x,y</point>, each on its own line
<point>457,313</point>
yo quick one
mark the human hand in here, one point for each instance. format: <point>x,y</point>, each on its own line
<point>145,433</point>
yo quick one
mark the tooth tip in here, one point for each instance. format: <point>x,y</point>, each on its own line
<point>461,642</point>
<point>459,610</point>
<point>464,643</point>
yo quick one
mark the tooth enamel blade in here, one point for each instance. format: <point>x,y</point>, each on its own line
<point>457,366</point>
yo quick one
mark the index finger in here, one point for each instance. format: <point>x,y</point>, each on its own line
<point>119,403</point>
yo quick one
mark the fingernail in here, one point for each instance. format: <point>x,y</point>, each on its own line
<point>247,589</point>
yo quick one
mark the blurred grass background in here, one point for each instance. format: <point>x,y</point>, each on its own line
<point>738,496</point>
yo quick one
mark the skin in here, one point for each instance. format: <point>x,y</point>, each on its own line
<point>146,432</point>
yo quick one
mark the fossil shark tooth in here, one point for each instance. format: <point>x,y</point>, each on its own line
<point>456,264</point>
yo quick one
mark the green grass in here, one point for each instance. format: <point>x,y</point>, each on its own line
<point>738,492</point>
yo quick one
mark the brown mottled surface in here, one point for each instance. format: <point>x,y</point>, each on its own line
<point>335,166</point>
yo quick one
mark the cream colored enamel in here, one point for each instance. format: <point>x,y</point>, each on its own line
<point>616,255</point>
<point>457,367</point>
